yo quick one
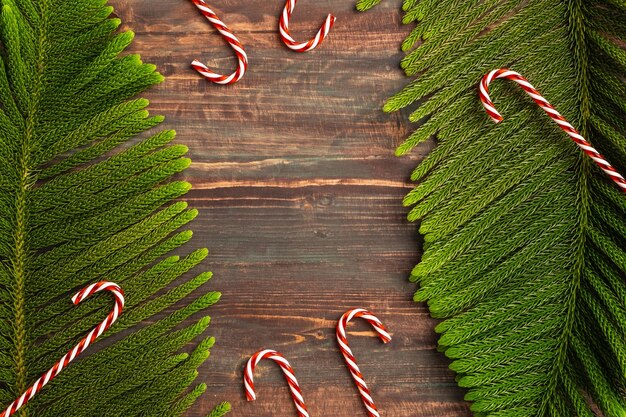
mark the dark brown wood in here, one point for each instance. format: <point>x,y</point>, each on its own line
<point>300,195</point>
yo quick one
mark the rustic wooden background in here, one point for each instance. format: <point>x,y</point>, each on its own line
<point>300,202</point>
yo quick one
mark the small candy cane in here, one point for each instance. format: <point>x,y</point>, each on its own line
<point>551,111</point>
<point>80,347</point>
<point>277,357</point>
<point>285,35</point>
<point>232,41</point>
<point>349,357</point>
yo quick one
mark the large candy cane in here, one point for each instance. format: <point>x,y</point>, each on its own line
<point>232,40</point>
<point>248,378</point>
<point>285,34</point>
<point>80,347</point>
<point>351,360</point>
<point>551,111</point>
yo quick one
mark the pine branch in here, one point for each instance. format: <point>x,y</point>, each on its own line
<point>221,410</point>
<point>83,199</point>
<point>524,236</point>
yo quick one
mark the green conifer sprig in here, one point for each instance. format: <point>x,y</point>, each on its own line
<point>83,199</point>
<point>524,236</point>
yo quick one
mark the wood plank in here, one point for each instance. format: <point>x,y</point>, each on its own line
<point>300,196</point>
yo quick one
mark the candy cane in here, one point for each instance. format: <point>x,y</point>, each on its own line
<point>80,347</point>
<point>232,40</point>
<point>551,111</point>
<point>277,357</point>
<point>285,35</point>
<point>349,357</point>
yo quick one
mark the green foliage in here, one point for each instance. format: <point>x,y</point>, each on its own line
<point>83,199</point>
<point>524,236</point>
<point>221,410</point>
<point>363,5</point>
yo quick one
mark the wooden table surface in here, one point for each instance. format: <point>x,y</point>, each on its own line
<point>299,195</point>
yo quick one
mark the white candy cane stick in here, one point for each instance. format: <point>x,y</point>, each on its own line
<point>285,34</point>
<point>232,40</point>
<point>248,378</point>
<point>552,112</point>
<point>80,347</point>
<point>349,357</point>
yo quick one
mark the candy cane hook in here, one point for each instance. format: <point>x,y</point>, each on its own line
<point>285,34</point>
<point>80,347</point>
<point>277,357</point>
<point>351,360</point>
<point>552,112</point>
<point>232,40</point>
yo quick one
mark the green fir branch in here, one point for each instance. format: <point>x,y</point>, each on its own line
<point>524,236</point>
<point>83,199</point>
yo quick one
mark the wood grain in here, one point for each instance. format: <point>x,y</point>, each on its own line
<point>300,202</point>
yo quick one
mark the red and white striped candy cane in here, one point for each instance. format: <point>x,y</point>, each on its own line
<point>552,112</point>
<point>349,357</point>
<point>232,40</point>
<point>248,378</point>
<point>80,347</point>
<point>285,34</point>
